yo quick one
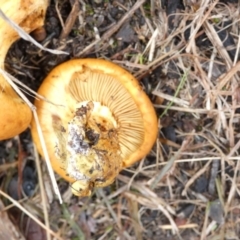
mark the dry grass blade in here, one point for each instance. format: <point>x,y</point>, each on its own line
<point>28,90</point>
<point>168,166</point>
<point>70,20</point>
<point>26,36</point>
<point>227,77</point>
<point>7,229</point>
<point>203,235</point>
<point>111,31</point>
<point>43,195</point>
<point>72,223</point>
<point>216,41</point>
<point>194,177</point>
<point>151,203</point>
<point>134,213</point>
<point>51,173</point>
<point>233,188</point>
<point>46,156</point>
<point>187,226</point>
<point>15,87</point>
<point>172,99</point>
<point>106,201</point>
<point>200,18</point>
<point>149,199</point>
<point>6,166</point>
<point>195,161</point>
<point>18,205</point>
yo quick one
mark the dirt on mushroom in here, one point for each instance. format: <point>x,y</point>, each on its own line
<point>102,98</point>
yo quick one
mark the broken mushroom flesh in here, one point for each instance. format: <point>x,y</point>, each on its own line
<point>15,114</point>
<point>96,121</point>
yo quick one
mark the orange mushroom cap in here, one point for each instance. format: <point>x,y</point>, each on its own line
<point>97,121</point>
<point>15,114</point>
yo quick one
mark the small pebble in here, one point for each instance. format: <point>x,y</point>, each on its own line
<point>39,34</point>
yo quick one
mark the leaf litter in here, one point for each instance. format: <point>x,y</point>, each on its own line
<point>186,56</point>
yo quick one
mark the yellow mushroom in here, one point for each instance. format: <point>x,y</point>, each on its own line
<point>101,122</point>
<point>15,115</point>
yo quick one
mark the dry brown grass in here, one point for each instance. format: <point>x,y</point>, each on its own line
<point>187,187</point>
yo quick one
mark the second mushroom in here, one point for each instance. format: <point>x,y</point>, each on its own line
<point>97,121</point>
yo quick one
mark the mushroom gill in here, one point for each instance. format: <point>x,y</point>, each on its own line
<point>101,122</point>
<point>95,86</point>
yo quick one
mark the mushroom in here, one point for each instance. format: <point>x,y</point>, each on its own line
<point>15,115</point>
<point>97,121</point>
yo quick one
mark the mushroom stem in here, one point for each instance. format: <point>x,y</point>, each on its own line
<point>15,115</point>
<point>90,147</point>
